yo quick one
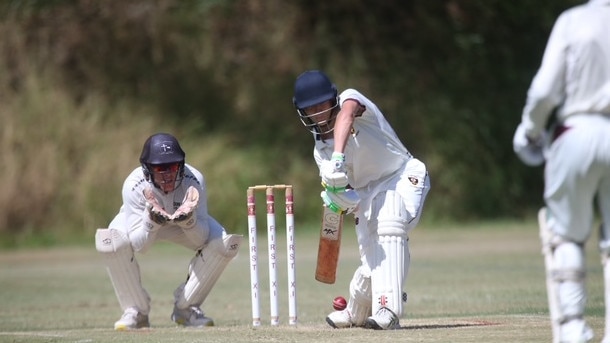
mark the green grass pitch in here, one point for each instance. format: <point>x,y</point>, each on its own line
<point>479,283</point>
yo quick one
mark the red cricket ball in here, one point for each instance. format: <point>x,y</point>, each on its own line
<point>339,303</point>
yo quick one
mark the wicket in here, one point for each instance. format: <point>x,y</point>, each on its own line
<point>271,240</point>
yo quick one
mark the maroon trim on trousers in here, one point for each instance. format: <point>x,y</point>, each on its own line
<point>560,130</point>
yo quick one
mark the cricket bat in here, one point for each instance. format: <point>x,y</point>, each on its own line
<point>330,243</point>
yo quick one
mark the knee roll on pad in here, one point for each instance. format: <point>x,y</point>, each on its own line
<point>205,269</point>
<point>110,241</point>
<point>569,262</point>
<point>123,269</point>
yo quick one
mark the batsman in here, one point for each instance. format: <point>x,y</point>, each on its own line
<point>366,171</point>
<point>565,125</point>
<point>164,199</point>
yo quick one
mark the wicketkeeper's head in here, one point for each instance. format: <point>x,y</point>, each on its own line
<point>162,160</point>
<point>315,99</point>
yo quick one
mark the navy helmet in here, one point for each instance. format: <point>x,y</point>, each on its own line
<point>311,88</point>
<point>162,149</point>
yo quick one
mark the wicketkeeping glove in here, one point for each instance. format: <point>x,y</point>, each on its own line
<point>343,202</point>
<point>334,177</point>
<point>154,215</point>
<point>184,215</point>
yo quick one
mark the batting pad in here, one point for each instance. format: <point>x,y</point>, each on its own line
<point>390,256</point>
<point>205,269</point>
<point>388,276</point>
<point>565,277</point>
<point>123,269</point>
<point>359,304</point>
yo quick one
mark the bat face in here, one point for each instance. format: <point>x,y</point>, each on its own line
<point>330,244</point>
<point>331,225</point>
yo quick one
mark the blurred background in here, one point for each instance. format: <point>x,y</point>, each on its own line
<point>84,82</point>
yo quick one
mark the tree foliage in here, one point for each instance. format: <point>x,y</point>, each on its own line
<point>450,75</point>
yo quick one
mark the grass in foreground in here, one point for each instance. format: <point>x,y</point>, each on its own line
<point>466,284</point>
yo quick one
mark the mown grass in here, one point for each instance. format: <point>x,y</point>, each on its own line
<point>481,283</point>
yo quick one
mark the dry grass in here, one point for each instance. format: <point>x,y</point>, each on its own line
<point>65,162</point>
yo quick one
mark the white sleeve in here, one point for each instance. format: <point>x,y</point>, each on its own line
<point>134,206</point>
<point>546,91</point>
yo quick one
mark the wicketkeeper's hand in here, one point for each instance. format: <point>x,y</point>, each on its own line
<point>154,216</point>
<point>343,202</point>
<point>334,176</point>
<point>184,215</point>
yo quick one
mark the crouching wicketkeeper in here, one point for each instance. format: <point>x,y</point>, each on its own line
<point>164,199</point>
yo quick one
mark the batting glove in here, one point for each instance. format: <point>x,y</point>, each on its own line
<point>184,215</point>
<point>342,203</point>
<point>334,177</point>
<point>530,151</point>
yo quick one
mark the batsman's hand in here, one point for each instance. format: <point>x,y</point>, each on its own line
<point>184,215</point>
<point>334,176</point>
<point>154,215</point>
<point>342,203</point>
<point>529,150</point>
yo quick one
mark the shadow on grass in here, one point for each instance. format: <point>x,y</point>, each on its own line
<point>447,326</point>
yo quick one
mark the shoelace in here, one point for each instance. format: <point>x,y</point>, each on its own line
<point>129,313</point>
<point>197,312</point>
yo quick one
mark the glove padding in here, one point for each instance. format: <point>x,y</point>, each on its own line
<point>183,216</point>
<point>530,151</point>
<point>155,215</point>
<point>334,176</point>
<point>343,202</point>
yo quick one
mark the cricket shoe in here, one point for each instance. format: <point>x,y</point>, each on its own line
<point>576,331</point>
<point>191,316</point>
<point>384,319</point>
<point>341,319</point>
<point>131,319</point>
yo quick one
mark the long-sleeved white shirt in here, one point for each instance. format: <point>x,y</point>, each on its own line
<point>574,76</point>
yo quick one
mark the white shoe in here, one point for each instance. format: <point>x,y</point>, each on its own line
<point>131,319</point>
<point>191,316</point>
<point>575,331</point>
<point>340,319</point>
<point>384,319</point>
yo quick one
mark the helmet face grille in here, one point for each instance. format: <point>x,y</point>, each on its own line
<point>311,88</point>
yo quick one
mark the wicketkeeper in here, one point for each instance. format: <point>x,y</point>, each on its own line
<point>164,199</point>
<point>367,171</point>
<point>574,83</point>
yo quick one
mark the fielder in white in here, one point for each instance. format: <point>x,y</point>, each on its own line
<point>367,171</point>
<point>573,82</point>
<point>164,199</point>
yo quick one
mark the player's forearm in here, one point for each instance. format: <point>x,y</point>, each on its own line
<point>343,127</point>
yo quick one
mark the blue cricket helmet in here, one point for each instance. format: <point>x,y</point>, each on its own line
<point>311,88</point>
<point>162,149</point>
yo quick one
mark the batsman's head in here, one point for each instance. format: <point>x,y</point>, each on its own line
<point>316,101</point>
<point>162,160</point>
